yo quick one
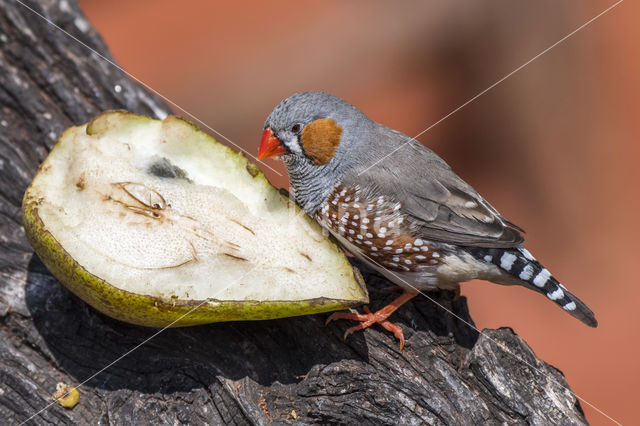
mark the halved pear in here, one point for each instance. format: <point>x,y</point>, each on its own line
<point>146,220</point>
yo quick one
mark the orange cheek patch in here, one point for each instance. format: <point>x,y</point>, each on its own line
<point>320,140</point>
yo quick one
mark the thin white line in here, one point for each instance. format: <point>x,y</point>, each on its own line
<point>495,84</point>
<point>151,89</point>
<point>298,213</point>
<point>227,139</point>
<point>123,356</point>
<point>507,350</point>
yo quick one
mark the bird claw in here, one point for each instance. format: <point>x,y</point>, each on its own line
<point>346,315</point>
<point>367,320</point>
<point>456,296</point>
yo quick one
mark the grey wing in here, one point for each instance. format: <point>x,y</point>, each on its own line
<point>440,204</point>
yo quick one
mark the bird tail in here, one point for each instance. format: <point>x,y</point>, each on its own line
<point>519,263</point>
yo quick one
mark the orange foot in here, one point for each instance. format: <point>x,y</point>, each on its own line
<point>457,294</point>
<point>378,317</point>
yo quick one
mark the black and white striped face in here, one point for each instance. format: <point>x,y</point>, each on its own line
<point>308,126</point>
<point>289,118</point>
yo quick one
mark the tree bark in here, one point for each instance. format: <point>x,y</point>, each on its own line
<point>278,371</point>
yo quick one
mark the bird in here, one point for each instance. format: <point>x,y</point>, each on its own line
<point>398,207</point>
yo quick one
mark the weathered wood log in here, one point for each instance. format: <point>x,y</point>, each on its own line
<point>279,371</point>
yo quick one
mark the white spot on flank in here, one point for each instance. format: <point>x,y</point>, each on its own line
<point>435,254</point>
<point>341,229</point>
<point>334,202</point>
<point>527,272</point>
<point>488,258</point>
<point>400,220</point>
<point>360,237</point>
<point>381,235</point>
<point>398,250</point>
<point>569,306</point>
<point>368,235</point>
<point>365,220</point>
<point>348,199</point>
<point>396,259</point>
<point>351,231</point>
<point>424,248</point>
<point>356,217</point>
<point>407,261</point>
<point>470,204</point>
<point>418,242</point>
<point>506,261</point>
<point>420,257</point>
<point>558,294</point>
<point>386,248</point>
<point>393,264</point>
<point>354,223</point>
<point>407,246</point>
<point>47,116</point>
<point>368,243</point>
<point>541,279</point>
<point>388,242</point>
<point>81,24</point>
<point>383,230</point>
<point>117,88</point>
<point>374,249</point>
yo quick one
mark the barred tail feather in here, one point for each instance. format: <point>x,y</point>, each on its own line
<point>519,263</point>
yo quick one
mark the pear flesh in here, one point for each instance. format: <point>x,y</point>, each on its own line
<point>150,220</point>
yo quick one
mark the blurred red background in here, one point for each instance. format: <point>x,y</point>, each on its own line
<point>553,147</point>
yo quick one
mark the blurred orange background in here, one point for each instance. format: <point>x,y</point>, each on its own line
<point>553,147</point>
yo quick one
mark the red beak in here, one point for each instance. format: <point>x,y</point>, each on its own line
<point>270,146</point>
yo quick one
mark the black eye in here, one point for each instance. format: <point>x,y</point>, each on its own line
<point>296,128</point>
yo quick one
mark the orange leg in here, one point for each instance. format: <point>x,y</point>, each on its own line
<point>378,317</point>
<point>457,295</point>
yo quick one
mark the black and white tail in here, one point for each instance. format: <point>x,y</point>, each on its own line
<point>519,263</point>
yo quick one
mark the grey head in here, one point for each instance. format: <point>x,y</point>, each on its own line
<point>318,133</point>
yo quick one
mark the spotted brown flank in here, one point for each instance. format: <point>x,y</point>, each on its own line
<point>377,228</point>
<point>320,139</point>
